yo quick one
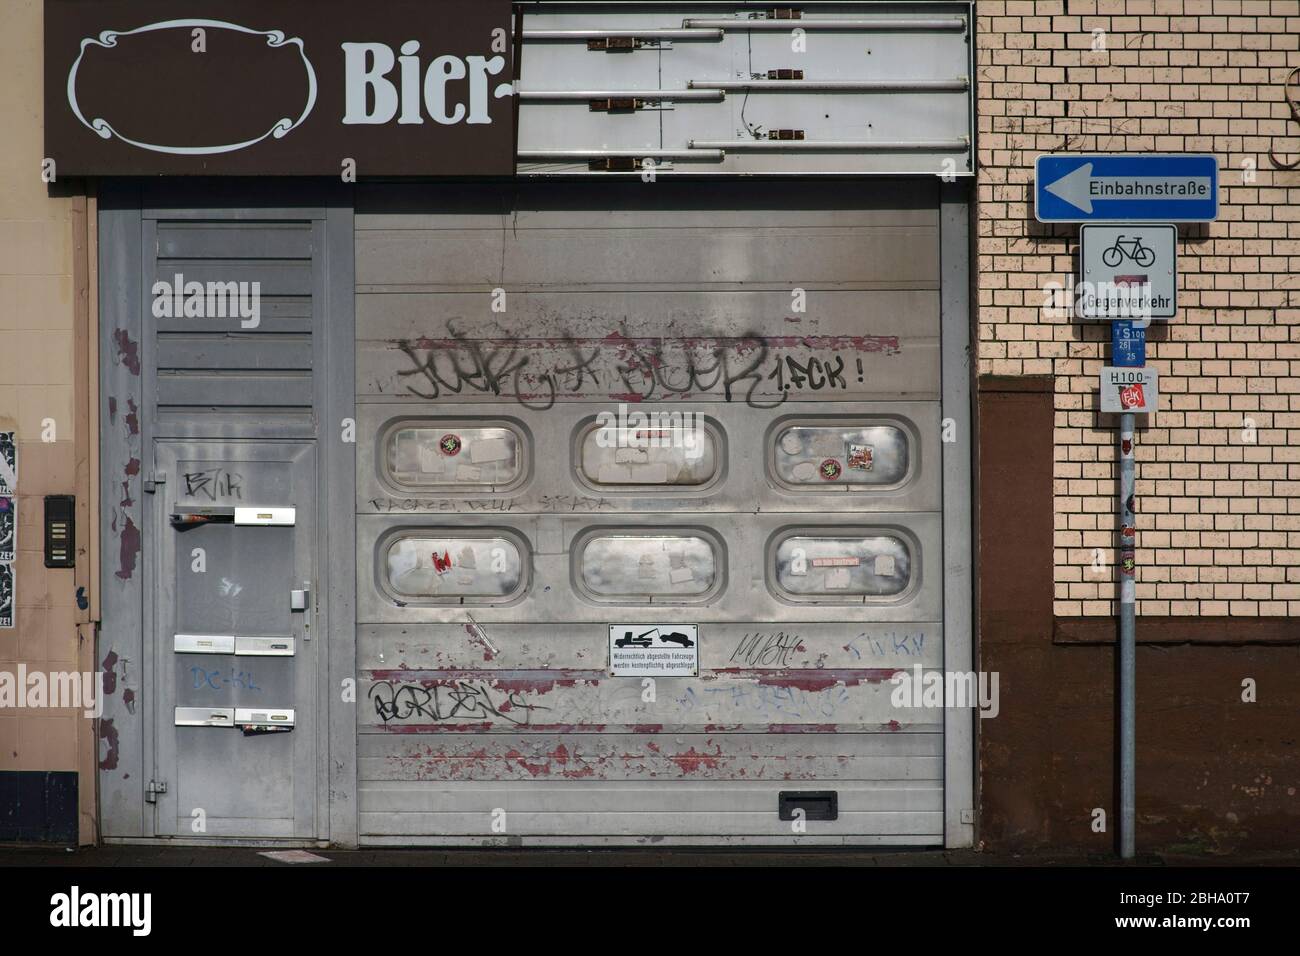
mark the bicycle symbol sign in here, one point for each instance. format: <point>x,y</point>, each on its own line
<point>1132,249</point>
<point>1128,271</point>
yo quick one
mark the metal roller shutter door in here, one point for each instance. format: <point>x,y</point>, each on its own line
<point>804,542</point>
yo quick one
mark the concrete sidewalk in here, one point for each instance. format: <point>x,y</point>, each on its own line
<point>184,856</point>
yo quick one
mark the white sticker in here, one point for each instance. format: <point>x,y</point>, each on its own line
<point>654,650</point>
<point>681,575</point>
<point>791,443</point>
<point>489,450</point>
<point>826,445</point>
<point>837,579</point>
<point>631,455</point>
<point>468,473</point>
<point>884,565</point>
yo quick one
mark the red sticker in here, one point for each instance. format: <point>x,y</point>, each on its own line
<point>1126,446</point>
<point>830,469</point>
<point>442,563</point>
<point>449,444</point>
<point>1132,396</point>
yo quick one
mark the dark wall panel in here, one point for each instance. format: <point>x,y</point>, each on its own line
<point>1215,774</point>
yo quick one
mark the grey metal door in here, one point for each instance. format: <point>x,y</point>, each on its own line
<point>234,659</point>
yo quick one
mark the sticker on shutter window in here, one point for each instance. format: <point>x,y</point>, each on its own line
<point>648,448</point>
<point>454,455</point>
<point>455,567</point>
<point>808,456</point>
<point>658,568</point>
<point>812,567</point>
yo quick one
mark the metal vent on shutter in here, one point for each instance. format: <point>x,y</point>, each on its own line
<point>246,348</point>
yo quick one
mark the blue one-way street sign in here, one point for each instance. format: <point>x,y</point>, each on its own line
<point>1143,188</point>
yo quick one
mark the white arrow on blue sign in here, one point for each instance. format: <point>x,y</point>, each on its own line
<point>1152,187</point>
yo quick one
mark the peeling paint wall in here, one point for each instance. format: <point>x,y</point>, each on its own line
<point>46,255</point>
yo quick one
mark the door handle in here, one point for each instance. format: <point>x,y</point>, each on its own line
<point>300,603</point>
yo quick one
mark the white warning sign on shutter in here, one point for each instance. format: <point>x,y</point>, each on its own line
<point>654,650</point>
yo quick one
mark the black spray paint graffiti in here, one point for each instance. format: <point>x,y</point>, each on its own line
<point>214,484</point>
<point>766,649</point>
<point>640,372</point>
<point>536,372</point>
<point>461,700</point>
<point>551,504</point>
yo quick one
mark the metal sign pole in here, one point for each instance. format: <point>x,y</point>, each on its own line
<point>1127,644</point>
<point>1128,269</point>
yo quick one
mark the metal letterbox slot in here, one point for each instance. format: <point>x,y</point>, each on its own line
<point>188,517</point>
<point>276,646</point>
<point>204,644</point>
<point>815,804</point>
<point>265,516</point>
<point>264,717</point>
<point>205,717</point>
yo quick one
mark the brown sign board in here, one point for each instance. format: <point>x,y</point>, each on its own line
<point>279,87</point>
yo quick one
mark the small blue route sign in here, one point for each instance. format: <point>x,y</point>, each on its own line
<point>1128,345</point>
<point>1153,187</point>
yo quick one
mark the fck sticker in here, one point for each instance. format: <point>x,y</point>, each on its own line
<point>1132,396</point>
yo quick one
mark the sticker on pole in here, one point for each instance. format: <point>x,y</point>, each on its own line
<point>8,529</point>
<point>6,596</point>
<point>1129,272</point>
<point>1131,390</point>
<point>8,464</point>
<point>654,650</point>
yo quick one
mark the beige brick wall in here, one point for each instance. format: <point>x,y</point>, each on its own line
<point>1218,514</point>
<point>41,237</point>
